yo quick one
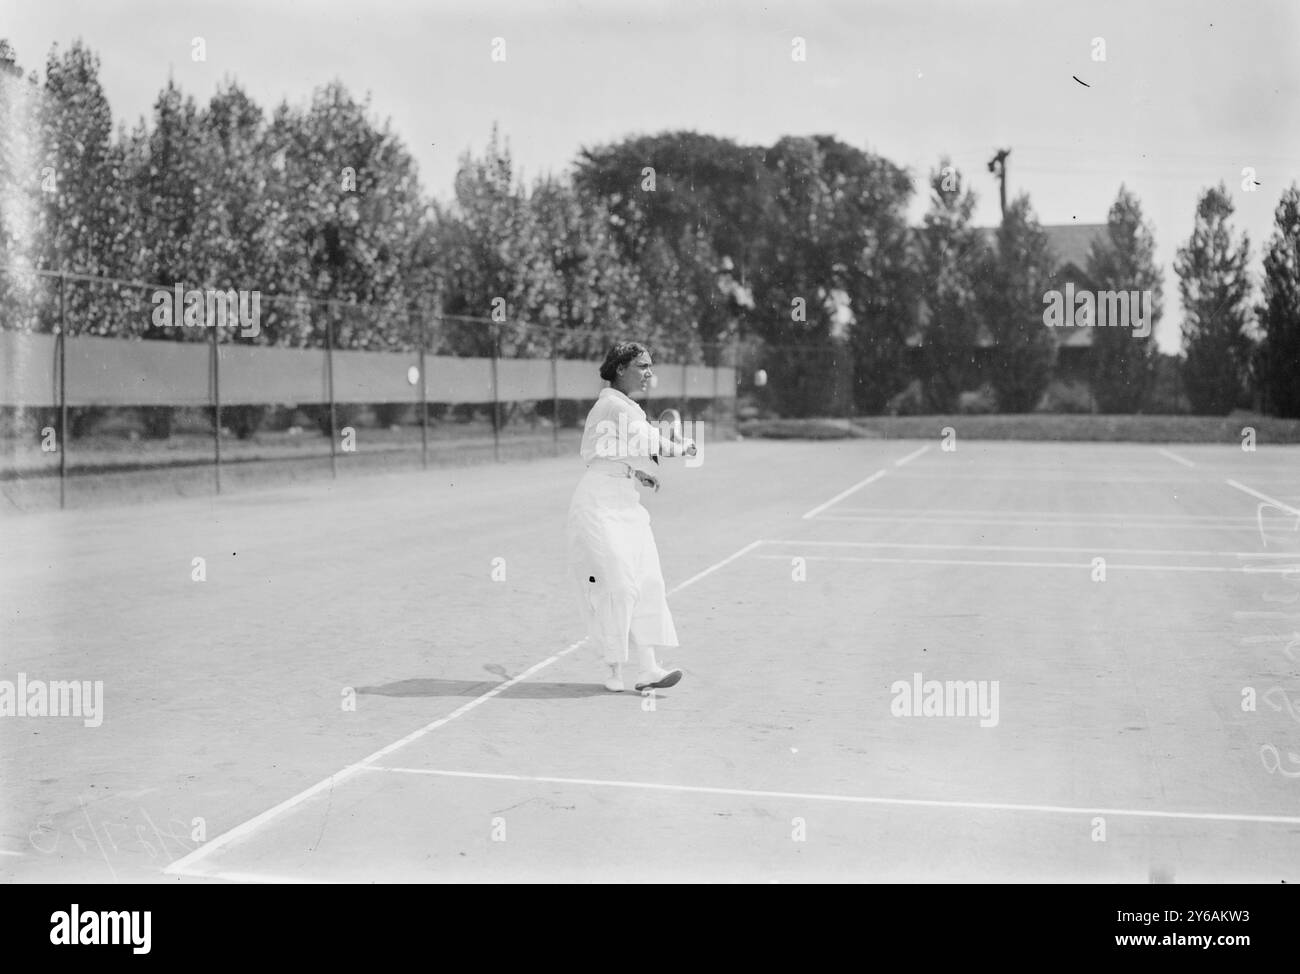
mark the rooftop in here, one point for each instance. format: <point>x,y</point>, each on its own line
<point>1069,241</point>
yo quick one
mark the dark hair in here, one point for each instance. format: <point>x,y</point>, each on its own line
<point>620,355</point>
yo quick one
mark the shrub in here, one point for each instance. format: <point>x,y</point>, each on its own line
<point>1066,397</point>
<point>82,420</point>
<point>156,422</point>
<point>345,414</point>
<point>909,402</point>
<point>978,402</point>
<point>391,413</point>
<point>245,420</point>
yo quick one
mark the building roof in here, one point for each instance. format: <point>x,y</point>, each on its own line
<point>1070,242</point>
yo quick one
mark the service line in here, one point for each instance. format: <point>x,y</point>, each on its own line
<point>862,483</point>
<point>184,865</point>
<point>1078,566</point>
<point>851,799</point>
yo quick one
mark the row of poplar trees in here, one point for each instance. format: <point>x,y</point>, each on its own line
<point>693,243</point>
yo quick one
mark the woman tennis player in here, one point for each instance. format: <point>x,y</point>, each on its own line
<point>612,556</point>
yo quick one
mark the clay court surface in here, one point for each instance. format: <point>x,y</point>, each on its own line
<point>483,748</point>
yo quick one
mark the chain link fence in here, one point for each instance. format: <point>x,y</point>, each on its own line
<point>176,390</point>
<point>795,381</point>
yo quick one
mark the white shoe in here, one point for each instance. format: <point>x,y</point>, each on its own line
<point>658,679</point>
<point>614,681</point>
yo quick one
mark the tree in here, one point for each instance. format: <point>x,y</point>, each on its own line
<point>83,221</point>
<point>1215,291</point>
<point>1019,275</point>
<point>172,202</point>
<point>951,256</point>
<point>83,225</point>
<point>885,295</point>
<point>833,290</point>
<point>23,176</point>
<point>353,222</point>
<point>493,256</point>
<point>804,243</point>
<point>689,212</point>
<point>1278,358</point>
<point>242,225</point>
<point>1123,363</point>
<point>588,293</point>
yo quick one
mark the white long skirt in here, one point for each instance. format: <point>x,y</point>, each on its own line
<point>614,568</point>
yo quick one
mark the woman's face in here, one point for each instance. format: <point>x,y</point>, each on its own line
<point>634,378</point>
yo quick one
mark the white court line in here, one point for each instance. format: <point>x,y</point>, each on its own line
<point>1066,477</point>
<point>1081,566</point>
<point>1095,549</point>
<point>853,799</point>
<point>1030,522</point>
<point>844,493</point>
<point>862,483</point>
<point>1003,512</point>
<point>1175,457</point>
<point>182,865</point>
<point>1264,497</point>
<point>240,877</point>
<point>912,456</point>
<point>6,852</point>
<point>713,568</point>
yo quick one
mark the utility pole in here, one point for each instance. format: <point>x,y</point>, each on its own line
<point>998,166</point>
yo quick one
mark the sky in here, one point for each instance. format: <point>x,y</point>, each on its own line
<point>1190,92</point>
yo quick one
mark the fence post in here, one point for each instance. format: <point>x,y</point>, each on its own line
<point>555,393</point>
<point>735,383</point>
<point>64,435</point>
<point>496,405</point>
<point>329,367</point>
<point>424,403</point>
<point>713,411</point>
<point>216,416</point>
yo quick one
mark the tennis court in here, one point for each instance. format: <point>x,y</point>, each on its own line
<point>1115,739</point>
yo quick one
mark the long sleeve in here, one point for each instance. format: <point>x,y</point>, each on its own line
<point>617,429</point>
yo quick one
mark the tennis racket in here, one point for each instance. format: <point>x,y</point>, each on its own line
<point>670,427</point>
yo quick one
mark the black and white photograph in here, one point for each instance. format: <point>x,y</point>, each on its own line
<point>505,442</point>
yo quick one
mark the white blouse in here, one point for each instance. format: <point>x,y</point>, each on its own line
<point>617,429</point>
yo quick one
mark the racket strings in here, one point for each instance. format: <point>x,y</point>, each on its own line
<point>670,424</point>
